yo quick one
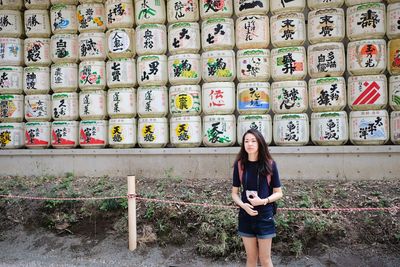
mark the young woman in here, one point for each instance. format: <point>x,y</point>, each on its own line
<point>257,174</point>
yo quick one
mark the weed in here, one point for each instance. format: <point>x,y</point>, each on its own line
<point>305,201</point>
<point>296,247</point>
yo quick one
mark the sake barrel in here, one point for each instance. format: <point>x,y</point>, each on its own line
<point>366,21</point>
<point>250,7</point>
<point>291,129</point>
<point>120,43</point>
<point>327,94</point>
<point>151,39</point>
<point>217,34</point>
<point>10,23</point>
<point>326,60</point>
<point>91,1</point>
<point>286,6</point>
<point>121,72</point>
<point>215,9</point>
<point>92,46</point>
<point>11,4</point>
<point>289,97</point>
<point>182,11</point>
<point>64,77</point>
<point>121,103</point>
<point>326,25</point>
<point>185,131</point>
<point>329,128</point>
<point>38,108</point>
<point>65,2</point>
<point>37,52</point>
<point>92,105</point>
<point>12,52</point>
<point>394,57</point>
<point>150,11</point>
<point>65,106</point>
<point>394,92</point>
<point>262,123</point>
<point>395,127</point>
<point>152,70</point>
<point>91,17</point>
<point>37,4</point>
<point>219,130</point>
<point>358,2</point>
<point>288,29</point>
<point>184,69</point>
<point>390,1</point>
<point>119,14</point>
<point>37,23</point>
<point>393,15</point>
<point>184,37</point>
<point>218,98</point>
<point>319,4</point>
<point>64,134</point>
<point>252,31</point>
<point>36,80</point>
<point>185,100</point>
<point>11,108</point>
<point>369,127</point>
<point>253,98</point>
<point>64,48</point>
<point>63,19</point>
<point>153,132</point>
<point>152,101</point>
<point>253,65</point>
<point>92,75</point>
<point>366,57</point>
<point>122,133</point>
<point>367,92</point>
<point>288,63</point>
<point>93,133</point>
<point>11,135</point>
<point>37,134</point>
<point>218,66</point>
<point>11,80</point>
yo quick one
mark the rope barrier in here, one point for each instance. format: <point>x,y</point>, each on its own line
<point>204,205</point>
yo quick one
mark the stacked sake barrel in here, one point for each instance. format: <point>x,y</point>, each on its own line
<point>121,73</point>
<point>366,63</point>
<point>11,73</point>
<point>63,48</point>
<point>288,70</point>
<point>393,33</point>
<point>218,73</point>
<point>253,68</point>
<point>326,67</point>
<point>184,73</point>
<point>152,73</point>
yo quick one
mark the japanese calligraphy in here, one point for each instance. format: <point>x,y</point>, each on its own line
<point>287,28</point>
<point>291,133</point>
<point>289,98</point>
<point>182,132</point>
<point>371,128</point>
<point>331,132</point>
<point>326,97</point>
<point>326,25</point>
<point>368,19</point>
<point>325,63</point>
<point>31,80</point>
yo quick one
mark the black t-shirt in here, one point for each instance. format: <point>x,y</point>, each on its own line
<point>249,180</point>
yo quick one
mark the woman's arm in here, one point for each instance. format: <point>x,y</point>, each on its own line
<point>246,206</point>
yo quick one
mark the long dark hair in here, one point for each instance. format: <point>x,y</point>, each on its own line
<point>264,157</point>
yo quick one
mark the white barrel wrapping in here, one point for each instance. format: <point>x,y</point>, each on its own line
<point>218,34</point>
<point>262,123</point>
<point>122,133</point>
<point>288,63</point>
<point>367,57</point>
<point>37,52</point>
<point>291,129</point>
<point>327,94</point>
<point>37,134</point>
<point>12,52</point>
<point>185,100</point>
<point>184,69</point>
<point>185,131</point>
<point>288,29</point>
<point>150,11</point>
<point>370,127</point>
<point>37,4</point>
<point>38,108</point>
<point>92,46</point>
<point>64,48</point>
<point>120,43</point>
<point>287,6</point>
<point>250,7</point>
<point>11,80</point>
<point>153,132</point>
<point>119,14</point>
<point>393,62</point>
<point>329,128</point>
<point>326,25</point>
<point>11,4</point>
<point>253,65</point>
<point>394,92</point>
<point>65,106</point>
<point>36,80</point>
<point>64,134</point>
<point>289,97</point>
<point>92,105</point>
<point>92,75</point>
<point>182,11</point>
<point>367,92</point>
<point>63,19</point>
<point>151,39</point>
<point>215,9</point>
<point>152,101</point>
<point>93,133</point>
<point>91,17</point>
<point>121,103</point>
<point>11,108</point>
<point>184,37</point>
<point>11,23</point>
<point>152,70</point>
<point>11,135</point>
<point>253,98</point>
<point>252,31</point>
<point>218,98</point>
<point>219,130</point>
<point>395,127</point>
<point>64,77</point>
<point>393,14</point>
<point>319,4</point>
<point>218,66</point>
<point>121,72</point>
<point>37,23</point>
<point>326,60</point>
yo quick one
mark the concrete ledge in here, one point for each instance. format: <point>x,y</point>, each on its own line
<point>308,162</point>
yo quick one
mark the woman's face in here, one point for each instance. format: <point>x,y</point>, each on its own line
<point>250,144</point>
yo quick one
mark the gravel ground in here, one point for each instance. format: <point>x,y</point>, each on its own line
<point>19,247</point>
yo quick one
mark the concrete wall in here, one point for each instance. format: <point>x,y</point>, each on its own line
<point>308,162</point>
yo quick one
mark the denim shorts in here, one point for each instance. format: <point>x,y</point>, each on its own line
<point>261,226</point>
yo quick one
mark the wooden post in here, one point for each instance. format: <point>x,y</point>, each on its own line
<point>132,213</point>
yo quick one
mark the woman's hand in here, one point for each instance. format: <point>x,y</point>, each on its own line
<point>256,201</point>
<point>249,209</point>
